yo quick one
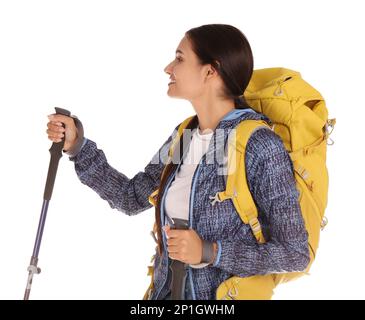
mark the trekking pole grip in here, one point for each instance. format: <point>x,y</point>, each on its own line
<point>178,268</point>
<point>56,154</point>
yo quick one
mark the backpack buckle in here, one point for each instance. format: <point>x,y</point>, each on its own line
<point>324,223</point>
<point>329,126</point>
<point>215,199</point>
<point>152,199</point>
<point>233,293</point>
<point>255,225</point>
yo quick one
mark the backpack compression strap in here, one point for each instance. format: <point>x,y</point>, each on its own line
<point>237,187</point>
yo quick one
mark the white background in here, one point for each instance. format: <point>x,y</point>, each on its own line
<point>104,61</point>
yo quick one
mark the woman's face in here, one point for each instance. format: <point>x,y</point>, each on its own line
<point>187,75</point>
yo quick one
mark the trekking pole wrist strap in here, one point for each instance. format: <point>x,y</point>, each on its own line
<point>208,252</point>
<point>72,152</point>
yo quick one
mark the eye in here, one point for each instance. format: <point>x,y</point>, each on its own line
<point>178,59</point>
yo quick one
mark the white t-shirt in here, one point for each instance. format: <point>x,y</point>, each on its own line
<point>178,195</point>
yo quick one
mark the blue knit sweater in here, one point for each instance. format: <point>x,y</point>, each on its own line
<point>271,181</point>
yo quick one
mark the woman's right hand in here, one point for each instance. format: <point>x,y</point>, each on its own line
<point>56,132</point>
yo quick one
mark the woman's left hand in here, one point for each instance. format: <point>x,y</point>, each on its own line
<point>184,245</point>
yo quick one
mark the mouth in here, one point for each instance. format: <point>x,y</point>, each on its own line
<point>172,82</point>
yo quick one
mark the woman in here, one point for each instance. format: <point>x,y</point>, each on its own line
<point>212,69</point>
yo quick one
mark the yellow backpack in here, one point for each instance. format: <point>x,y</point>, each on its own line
<point>300,117</point>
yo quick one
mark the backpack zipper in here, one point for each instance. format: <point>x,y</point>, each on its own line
<point>278,91</point>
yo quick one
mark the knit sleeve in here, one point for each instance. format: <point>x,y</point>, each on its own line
<point>271,181</point>
<point>127,195</point>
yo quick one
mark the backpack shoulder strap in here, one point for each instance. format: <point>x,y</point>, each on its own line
<point>180,131</point>
<point>153,196</point>
<point>237,187</point>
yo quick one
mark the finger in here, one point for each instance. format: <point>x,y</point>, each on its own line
<point>55,126</point>
<point>172,242</point>
<point>54,135</point>
<point>172,249</point>
<point>174,256</point>
<point>60,118</point>
<point>175,233</point>
<point>166,229</point>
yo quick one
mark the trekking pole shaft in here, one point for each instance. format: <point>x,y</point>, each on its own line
<point>33,269</point>
<point>42,221</point>
<point>178,280</point>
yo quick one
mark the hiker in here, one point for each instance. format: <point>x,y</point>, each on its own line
<point>212,68</point>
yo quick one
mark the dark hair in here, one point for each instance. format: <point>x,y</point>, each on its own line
<point>227,49</point>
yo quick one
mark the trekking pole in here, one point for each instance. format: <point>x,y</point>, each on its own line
<point>178,268</point>
<point>56,154</point>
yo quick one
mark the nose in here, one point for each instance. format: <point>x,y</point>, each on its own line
<point>168,69</point>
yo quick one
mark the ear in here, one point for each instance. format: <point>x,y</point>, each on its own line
<point>212,69</point>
